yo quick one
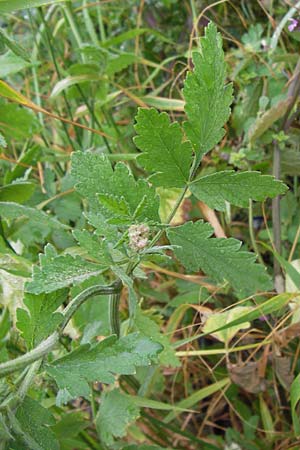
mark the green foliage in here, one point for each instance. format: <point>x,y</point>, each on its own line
<point>219,258</point>
<point>16,192</point>
<point>40,319</point>
<point>32,426</point>
<point>148,327</point>
<point>164,151</point>
<point>207,97</point>
<point>236,188</point>
<point>103,312</point>
<point>99,363</point>
<point>59,271</point>
<point>7,6</point>
<point>117,411</point>
<point>94,175</point>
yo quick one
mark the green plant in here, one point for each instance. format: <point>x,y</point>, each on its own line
<point>82,360</point>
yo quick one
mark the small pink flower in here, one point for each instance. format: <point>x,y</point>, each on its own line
<point>294,25</point>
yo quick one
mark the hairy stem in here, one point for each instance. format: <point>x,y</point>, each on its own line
<point>48,344</point>
<point>114,319</point>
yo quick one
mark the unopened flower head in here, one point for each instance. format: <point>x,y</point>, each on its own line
<point>138,236</point>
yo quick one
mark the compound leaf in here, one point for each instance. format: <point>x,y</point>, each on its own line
<point>87,363</point>
<point>94,175</point>
<point>218,257</point>
<point>207,97</point>
<point>59,271</point>
<point>236,188</point>
<point>40,319</point>
<point>117,411</point>
<point>164,151</point>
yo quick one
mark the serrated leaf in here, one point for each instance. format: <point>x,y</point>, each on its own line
<point>95,246</point>
<point>164,151</point>
<point>148,327</point>
<point>101,362</point>
<point>59,271</point>
<point>207,97</point>
<point>34,422</point>
<point>219,258</point>
<point>220,319</point>
<point>103,228</point>
<point>94,175</point>
<point>117,411</point>
<point>11,211</point>
<point>117,205</point>
<point>40,319</point>
<point>236,188</point>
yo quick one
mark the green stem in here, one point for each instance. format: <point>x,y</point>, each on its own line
<point>26,383</point>
<point>22,361</point>
<point>114,319</point>
<point>93,114</point>
<point>75,304</point>
<point>48,344</point>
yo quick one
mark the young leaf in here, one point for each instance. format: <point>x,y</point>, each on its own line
<point>73,372</point>
<point>59,271</point>
<point>41,319</point>
<point>116,412</point>
<point>236,188</point>
<point>34,422</point>
<point>94,175</point>
<point>164,151</point>
<point>219,258</point>
<point>207,97</point>
<point>95,247</point>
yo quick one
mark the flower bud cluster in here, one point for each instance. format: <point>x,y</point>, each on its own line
<point>138,236</point>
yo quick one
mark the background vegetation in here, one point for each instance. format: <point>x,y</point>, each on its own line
<point>74,75</point>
